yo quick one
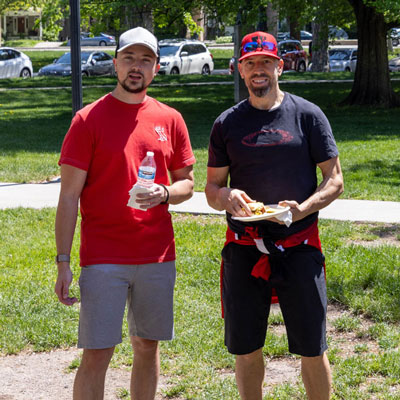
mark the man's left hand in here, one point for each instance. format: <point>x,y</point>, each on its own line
<point>153,198</point>
<point>294,209</point>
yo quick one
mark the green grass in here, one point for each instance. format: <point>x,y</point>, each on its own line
<point>196,362</point>
<point>34,122</point>
<point>221,57</point>
<point>20,43</point>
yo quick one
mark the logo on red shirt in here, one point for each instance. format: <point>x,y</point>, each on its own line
<point>162,137</point>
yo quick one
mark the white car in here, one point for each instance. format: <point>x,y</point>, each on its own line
<point>14,64</point>
<point>394,64</point>
<point>342,60</point>
<point>184,56</point>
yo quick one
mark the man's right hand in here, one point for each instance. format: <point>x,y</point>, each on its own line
<point>235,202</point>
<point>64,280</point>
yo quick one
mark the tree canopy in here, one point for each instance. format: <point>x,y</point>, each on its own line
<point>172,17</point>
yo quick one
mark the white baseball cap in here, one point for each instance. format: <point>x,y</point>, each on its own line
<point>141,36</point>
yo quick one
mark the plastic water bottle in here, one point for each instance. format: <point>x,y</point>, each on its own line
<point>147,171</point>
<point>146,175</point>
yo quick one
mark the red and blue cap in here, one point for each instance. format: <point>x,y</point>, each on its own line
<point>259,44</point>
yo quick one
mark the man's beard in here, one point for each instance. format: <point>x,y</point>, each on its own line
<point>263,91</point>
<point>137,89</point>
<point>260,92</point>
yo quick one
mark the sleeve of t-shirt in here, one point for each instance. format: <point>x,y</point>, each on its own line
<point>217,151</point>
<point>183,153</point>
<point>77,148</point>
<point>322,143</point>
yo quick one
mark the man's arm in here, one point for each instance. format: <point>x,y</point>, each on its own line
<point>181,189</point>
<point>72,182</point>
<point>329,189</point>
<point>182,185</point>
<point>220,197</point>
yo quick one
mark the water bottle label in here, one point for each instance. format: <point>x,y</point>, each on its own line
<point>143,174</point>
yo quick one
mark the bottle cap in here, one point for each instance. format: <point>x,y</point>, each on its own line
<point>150,154</point>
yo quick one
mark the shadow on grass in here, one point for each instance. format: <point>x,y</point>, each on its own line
<point>37,121</point>
<point>378,168</point>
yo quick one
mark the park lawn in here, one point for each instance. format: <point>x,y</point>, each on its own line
<point>363,278</point>
<point>34,122</point>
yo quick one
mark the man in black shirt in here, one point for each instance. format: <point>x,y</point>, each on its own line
<point>269,146</point>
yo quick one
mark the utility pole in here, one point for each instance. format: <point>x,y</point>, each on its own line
<point>240,90</point>
<point>75,41</point>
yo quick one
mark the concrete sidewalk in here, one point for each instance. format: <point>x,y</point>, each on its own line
<point>41,195</point>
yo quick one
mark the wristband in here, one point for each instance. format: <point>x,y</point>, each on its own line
<point>62,258</point>
<point>167,191</point>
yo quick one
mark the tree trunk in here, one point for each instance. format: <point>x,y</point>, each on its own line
<point>372,84</point>
<point>272,19</point>
<point>262,24</point>
<point>240,89</point>
<point>294,27</point>
<point>320,60</point>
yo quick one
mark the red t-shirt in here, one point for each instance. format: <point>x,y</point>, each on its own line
<point>109,139</point>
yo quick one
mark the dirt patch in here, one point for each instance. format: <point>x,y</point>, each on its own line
<point>37,376</point>
<point>45,376</point>
<point>384,235</point>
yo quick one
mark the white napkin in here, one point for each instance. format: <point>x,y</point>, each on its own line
<point>132,196</point>
<point>286,217</point>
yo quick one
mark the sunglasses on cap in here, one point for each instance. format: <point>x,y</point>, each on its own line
<point>253,46</point>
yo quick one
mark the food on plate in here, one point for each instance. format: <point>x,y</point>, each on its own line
<point>258,208</point>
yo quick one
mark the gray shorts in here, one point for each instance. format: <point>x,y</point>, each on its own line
<point>105,289</point>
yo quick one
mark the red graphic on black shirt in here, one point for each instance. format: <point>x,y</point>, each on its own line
<point>267,137</point>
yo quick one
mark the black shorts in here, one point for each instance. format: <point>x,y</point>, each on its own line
<point>299,280</point>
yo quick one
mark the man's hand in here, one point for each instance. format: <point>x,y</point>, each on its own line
<point>294,209</point>
<point>156,195</point>
<point>235,202</point>
<point>64,280</point>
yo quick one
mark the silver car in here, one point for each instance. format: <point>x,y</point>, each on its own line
<point>184,56</point>
<point>394,64</point>
<point>342,60</point>
<point>100,40</point>
<point>92,63</point>
<point>14,63</point>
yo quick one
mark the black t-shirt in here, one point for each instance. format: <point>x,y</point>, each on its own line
<point>272,155</point>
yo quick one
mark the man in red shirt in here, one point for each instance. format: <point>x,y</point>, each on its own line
<point>127,255</point>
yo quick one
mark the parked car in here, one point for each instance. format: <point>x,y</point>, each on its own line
<point>184,56</point>
<point>282,36</point>
<point>293,55</point>
<point>304,35</point>
<point>395,36</point>
<point>342,60</point>
<point>14,64</point>
<point>92,63</point>
<point>101,40</point>
<point>394,64</point>
<point>337,33</point>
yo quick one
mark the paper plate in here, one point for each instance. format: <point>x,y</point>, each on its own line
<point>278,210</point>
